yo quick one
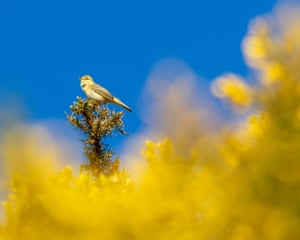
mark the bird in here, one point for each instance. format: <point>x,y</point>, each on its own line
<point>96,92</point>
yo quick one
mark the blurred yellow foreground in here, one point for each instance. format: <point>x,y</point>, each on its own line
<point>240,182</point>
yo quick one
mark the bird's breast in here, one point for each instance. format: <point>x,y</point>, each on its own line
<point>90,93</point>
<point>93,95</point>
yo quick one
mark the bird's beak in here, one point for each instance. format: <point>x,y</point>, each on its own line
<point>79,78</point>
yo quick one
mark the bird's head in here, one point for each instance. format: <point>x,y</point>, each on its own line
<point>86,78</point>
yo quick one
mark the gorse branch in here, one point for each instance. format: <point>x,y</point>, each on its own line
<point>96,123</point>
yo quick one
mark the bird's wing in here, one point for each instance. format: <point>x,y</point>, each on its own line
<point>103,92</point>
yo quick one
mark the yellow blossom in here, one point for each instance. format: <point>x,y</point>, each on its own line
<point>233,88</point>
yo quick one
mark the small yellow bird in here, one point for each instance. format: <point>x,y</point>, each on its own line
<point>96,92</point>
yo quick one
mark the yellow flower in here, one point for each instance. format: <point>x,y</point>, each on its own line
<point>232,88</point>
<point>272,72</point>
<point>256,46</point>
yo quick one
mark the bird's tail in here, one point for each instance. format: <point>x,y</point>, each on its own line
<point>120,103</point>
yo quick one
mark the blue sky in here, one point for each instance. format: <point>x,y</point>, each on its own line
<point>46,45</point>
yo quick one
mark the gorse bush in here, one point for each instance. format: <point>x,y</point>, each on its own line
<point>236,181</point>
<point>96,123</point>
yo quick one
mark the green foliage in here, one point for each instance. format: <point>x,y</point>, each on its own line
<point>96,123</point>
